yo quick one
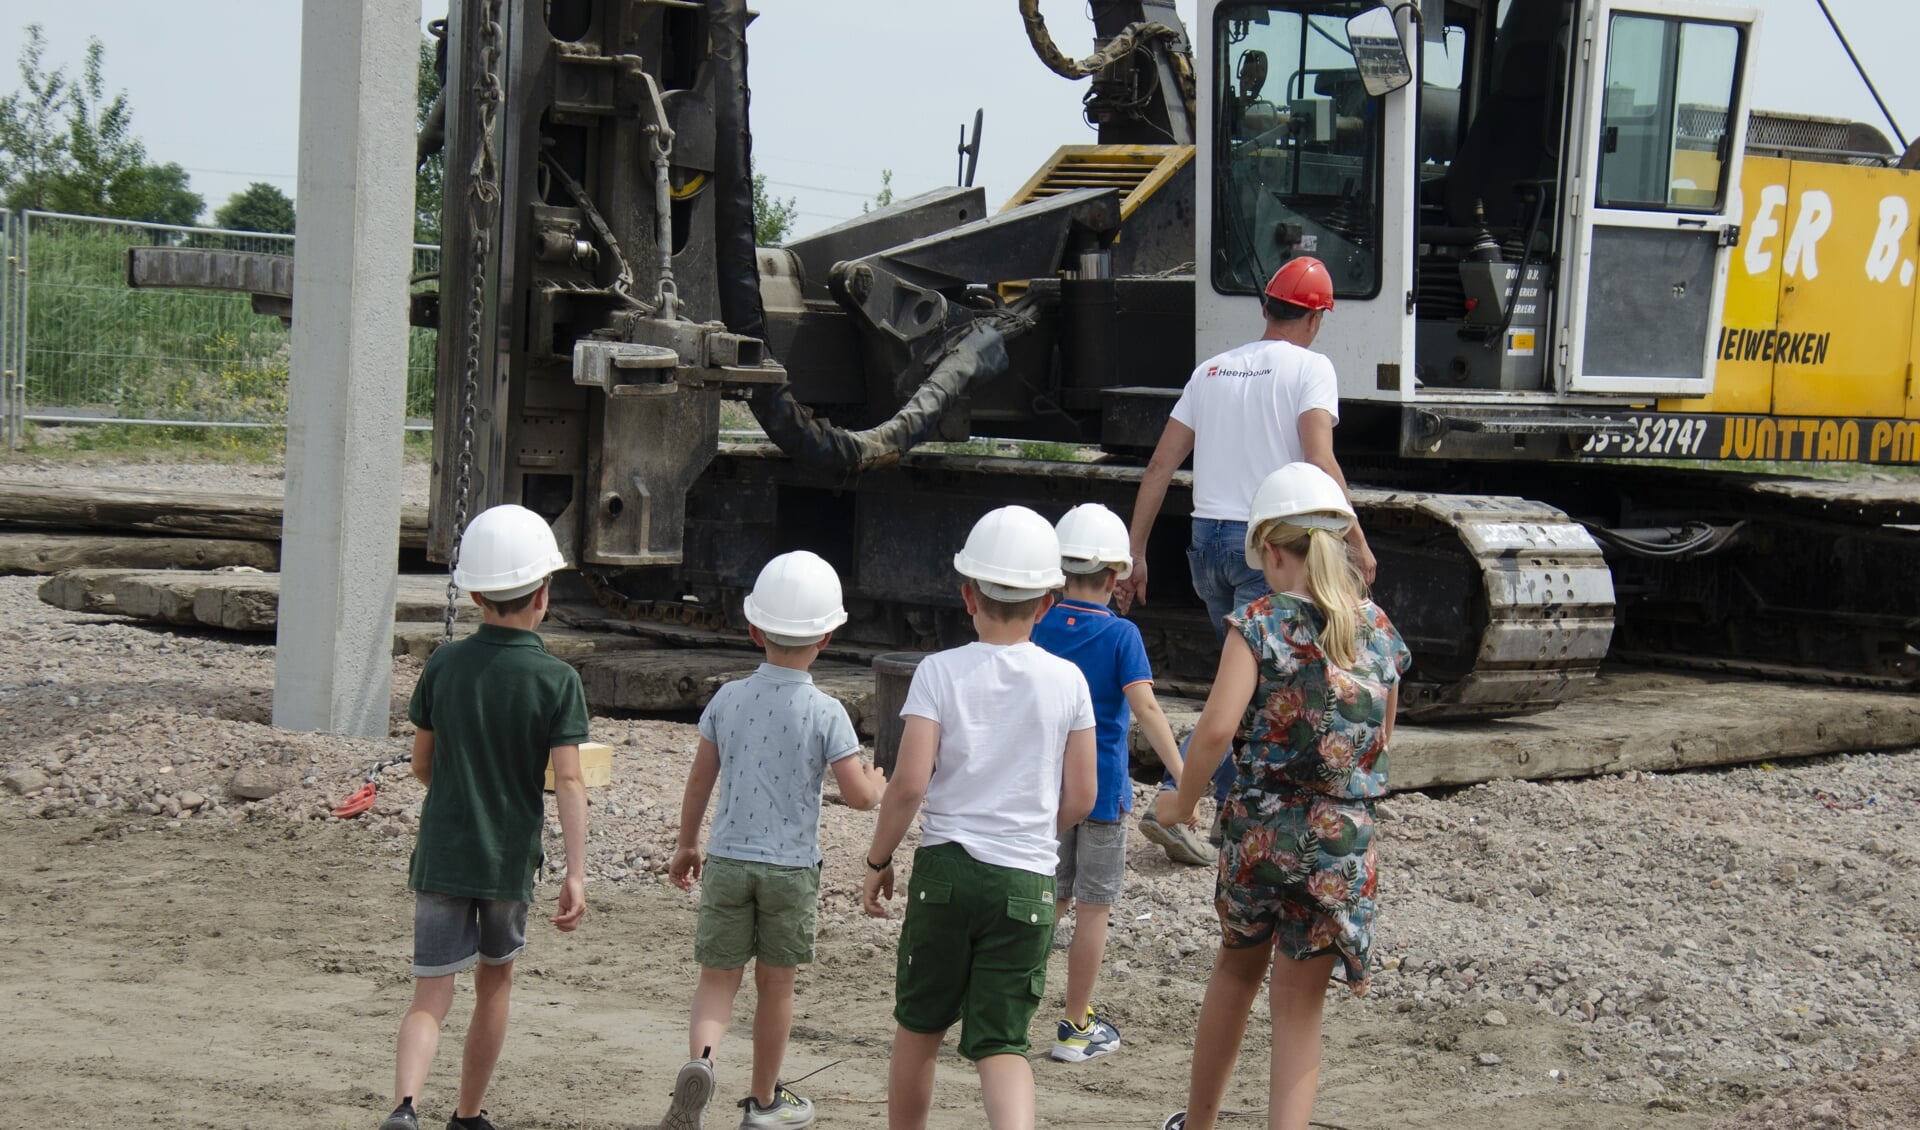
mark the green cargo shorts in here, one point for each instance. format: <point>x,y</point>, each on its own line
<point>974,950</point>
<point>756,910</point>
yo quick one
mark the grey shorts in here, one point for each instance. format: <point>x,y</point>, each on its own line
<point>451,932</point>
<point>1093,862</point>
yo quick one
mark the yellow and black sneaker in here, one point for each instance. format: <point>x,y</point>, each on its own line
<point>1094,1037</point>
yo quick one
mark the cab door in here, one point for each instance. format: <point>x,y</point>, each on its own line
<point>1660,125</point>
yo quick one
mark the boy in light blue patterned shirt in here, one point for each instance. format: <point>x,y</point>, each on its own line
<point>767,741</point>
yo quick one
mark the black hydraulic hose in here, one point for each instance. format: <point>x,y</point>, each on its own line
<point>739,271</point>
<point>807,439</point>
<point>980,352</point>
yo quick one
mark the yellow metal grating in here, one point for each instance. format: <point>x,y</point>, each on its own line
<point>1136,170</point>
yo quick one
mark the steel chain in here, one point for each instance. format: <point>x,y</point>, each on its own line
<point>483,202</point>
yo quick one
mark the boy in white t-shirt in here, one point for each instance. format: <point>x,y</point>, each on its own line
<point>1011,730</point>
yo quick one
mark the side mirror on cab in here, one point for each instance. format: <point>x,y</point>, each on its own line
<point>1377,51</point>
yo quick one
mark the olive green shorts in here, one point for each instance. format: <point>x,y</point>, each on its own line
<point>756,910</point>
<point>973,950</point>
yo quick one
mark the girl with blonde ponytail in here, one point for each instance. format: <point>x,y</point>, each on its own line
<point>1310,679</point>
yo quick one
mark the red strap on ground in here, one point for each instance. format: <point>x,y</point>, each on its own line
<point>360,801</point>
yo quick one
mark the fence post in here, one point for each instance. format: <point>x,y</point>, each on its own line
<point>13,328</point>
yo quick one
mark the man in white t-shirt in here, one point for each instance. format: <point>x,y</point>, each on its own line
<point>1010,729</point>
<point>1244,414</point>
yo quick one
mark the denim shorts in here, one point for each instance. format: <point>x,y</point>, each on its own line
<point>1093,862</point>
<point>451,932</point>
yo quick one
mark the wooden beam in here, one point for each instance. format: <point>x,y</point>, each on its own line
<point>46,554</point>
<point>187,513</point>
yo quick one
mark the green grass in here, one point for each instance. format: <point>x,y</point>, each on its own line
<point>94,345</point>
<point>182,444</point>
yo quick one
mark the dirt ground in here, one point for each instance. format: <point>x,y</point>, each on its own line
<point>1718,951</point>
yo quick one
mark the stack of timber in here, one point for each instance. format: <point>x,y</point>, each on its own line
<point>128,528</point>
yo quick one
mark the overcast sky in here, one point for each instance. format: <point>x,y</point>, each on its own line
<point>842,88</point>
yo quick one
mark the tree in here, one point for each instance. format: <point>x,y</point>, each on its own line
<point>884,197</point>
<point>33,139</point>
<point>772,216</point>
<point>156,194</point>
<point>428,180</point>
<point>95,166</point>
<point>259,207</point>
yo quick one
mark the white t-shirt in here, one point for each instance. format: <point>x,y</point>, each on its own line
<point>1004,713</point>
<point>1244,407</point>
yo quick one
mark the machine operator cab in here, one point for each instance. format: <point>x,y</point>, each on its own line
<point>1522,202</point>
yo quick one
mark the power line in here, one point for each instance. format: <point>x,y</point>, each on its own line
<point>820,188</point>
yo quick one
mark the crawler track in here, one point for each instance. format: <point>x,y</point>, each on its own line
<point>1506,603</point>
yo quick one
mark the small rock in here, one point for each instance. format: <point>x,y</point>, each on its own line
<point>1496,1018</point>
<point>24,781</point>
<point>258,782</point>
<point>1488,1059</point>
<point>192,801</point>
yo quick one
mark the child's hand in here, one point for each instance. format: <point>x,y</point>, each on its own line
<point>573,904</point>
<point>874,776</point>
<point>684,868</point>
<point>1167,810</point>
<point>876,890</point>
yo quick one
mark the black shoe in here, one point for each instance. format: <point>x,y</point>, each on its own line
<point>477,1122</point>
<point>402,1118</point>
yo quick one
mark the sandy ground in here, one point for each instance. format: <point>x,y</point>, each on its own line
<point>1730,950</point>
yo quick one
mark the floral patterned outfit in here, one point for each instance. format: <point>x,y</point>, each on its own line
<point>1297,864</point>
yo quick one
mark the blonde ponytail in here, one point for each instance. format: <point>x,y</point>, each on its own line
<point>1335,586</point>
<point>1333,581</point>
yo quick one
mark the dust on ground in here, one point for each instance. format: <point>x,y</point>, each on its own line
<point>1732,949</point>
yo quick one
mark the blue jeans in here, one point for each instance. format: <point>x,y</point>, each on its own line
<point>1217,555</point>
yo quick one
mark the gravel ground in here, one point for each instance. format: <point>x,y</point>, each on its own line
<point>1738,946</point>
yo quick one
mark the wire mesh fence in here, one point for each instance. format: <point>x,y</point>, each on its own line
<point>91,349</point>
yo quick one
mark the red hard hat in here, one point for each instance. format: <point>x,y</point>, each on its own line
<point>1302,282</point>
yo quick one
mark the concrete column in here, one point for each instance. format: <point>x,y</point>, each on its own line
<point>333,668</point>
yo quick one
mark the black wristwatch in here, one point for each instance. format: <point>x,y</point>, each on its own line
<point>872,866</point>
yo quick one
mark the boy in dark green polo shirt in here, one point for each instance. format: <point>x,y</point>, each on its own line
<point>490,711</point>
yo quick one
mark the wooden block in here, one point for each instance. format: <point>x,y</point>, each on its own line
<point>191,513</point>
<point>56,553</point>
<point>685,678</point>
<point>596,765</point>
<point>83,590</point>
<point>419,638</point>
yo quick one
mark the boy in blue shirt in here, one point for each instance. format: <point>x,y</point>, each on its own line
<point>1095,556</point>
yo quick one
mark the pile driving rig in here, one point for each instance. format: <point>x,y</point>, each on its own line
<point>1530,209</point>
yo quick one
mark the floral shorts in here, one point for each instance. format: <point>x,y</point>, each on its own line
<point>1298,873</point>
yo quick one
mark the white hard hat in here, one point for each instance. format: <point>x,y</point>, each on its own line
<point>1093,538</point>
<point>1303,495</point>
<point>508,551</point>
<point>1012,555</point>
<point>796,599</point>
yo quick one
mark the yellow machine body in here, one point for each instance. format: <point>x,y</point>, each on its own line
<point>1817,347</point>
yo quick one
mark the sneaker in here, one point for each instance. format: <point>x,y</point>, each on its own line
<point>788,1112</point>
<point>474,1122</point>
<point>1175,1121</point>
<point>1182,844</point>
<point>402,1118</point>
<point>691,1090</point>
<point>1073,1044</point>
